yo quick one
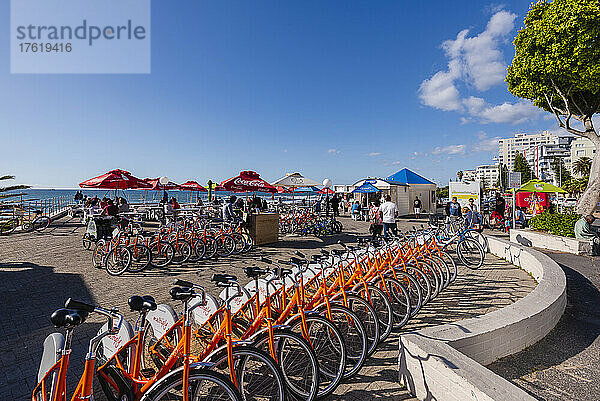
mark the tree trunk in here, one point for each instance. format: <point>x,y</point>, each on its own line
<point>589,200</point>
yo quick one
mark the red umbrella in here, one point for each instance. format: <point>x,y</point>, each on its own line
<point>326,191</point>
<point>155,185</point>
<point>282,190</point>
<point>193,186</point>
<point>219,188</point>
<point>248,181</point>
<point>115,179</point>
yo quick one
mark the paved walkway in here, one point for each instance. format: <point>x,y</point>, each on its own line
<point>38,272</point>
<point>565,365</point>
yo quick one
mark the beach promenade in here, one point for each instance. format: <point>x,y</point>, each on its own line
<point>38,272</point>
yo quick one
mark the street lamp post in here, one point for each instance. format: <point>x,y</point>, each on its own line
<point>327,184</point>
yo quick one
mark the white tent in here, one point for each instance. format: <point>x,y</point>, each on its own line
<point>294,180</point>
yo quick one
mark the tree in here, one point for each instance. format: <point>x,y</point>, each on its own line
<point>557,66</point>
<point>442,192</point>
<point>460,175</point>
<point>9,188</point>
<point>521,166</point>
<point>561,173</point>
<point>582,166</point>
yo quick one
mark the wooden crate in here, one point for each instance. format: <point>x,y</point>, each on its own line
<point>264,228</point>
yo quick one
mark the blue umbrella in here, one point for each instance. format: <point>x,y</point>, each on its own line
<point>365,188</point>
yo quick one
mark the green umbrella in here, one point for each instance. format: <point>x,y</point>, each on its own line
<point>540,187</point>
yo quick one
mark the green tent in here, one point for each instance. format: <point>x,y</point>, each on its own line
<point>540,187</point>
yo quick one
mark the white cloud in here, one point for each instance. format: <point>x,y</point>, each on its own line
<point>333,151</point>
<point>485,143</point>
<point>373,154</point>
<point>450,150</point>
<point>513,113</point>
<point>476,61</point>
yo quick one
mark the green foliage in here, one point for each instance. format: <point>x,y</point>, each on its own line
<point>521,166</point>
<point>560,171</point>
<point>442,192</point>
<point>582,166</point>
<point>559,48</point>
<point>576,185</point>
<point>562,224</point>
<point>10,188</point>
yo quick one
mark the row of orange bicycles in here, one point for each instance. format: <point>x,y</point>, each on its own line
<point>304,221</point>
<point>186,240</point>
<point>296,330</point>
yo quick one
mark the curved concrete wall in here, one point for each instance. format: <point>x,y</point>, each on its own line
<point>445,362</point>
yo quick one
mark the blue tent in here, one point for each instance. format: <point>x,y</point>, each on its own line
<point>365,188</point>
<point>406,176</point>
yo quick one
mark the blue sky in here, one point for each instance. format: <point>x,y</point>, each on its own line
<point>338,89</point>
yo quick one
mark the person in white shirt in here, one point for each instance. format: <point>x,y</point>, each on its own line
<point>389,212</point>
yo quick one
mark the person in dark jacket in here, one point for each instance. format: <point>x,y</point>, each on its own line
<point>453,208</point>
<point>500,205</point>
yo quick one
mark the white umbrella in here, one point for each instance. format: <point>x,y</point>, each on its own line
<point>295,180</point>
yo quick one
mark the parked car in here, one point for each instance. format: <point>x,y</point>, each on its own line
<point>570,202</point>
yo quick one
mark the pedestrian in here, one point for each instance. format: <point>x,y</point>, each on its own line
<point>453,208</point>
<point>335,204</point>
<point>472,206</point>
<point>356,211</point>
<point>227,211</point>
<point>417,206</point>
<point>520,217</point>
<point>376,219</point>
<point>584,230</point>
<point>389,212</point>
<point>500,205</point>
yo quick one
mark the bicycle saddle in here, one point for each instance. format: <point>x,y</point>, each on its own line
<point>296,261</point>
<point>68,318</point>
<point>282,272</point>
<point>253,271</point>
<point>181,294</point>
<point>222,279</point>
<point>141,304</point>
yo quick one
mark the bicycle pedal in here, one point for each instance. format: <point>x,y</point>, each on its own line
<point>148,372</point>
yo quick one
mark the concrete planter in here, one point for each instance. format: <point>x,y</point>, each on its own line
<point>539,239</point>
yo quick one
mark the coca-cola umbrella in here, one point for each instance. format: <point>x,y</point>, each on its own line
<point>192,186</point>
<point>156,185</point>
<point>248,181</point>
<point>115,179</point>
<point>327,191</point>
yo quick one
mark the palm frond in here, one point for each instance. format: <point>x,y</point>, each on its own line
<point>7,177</point>
<point>14,188</point>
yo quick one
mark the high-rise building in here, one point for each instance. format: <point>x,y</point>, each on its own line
<point>521,142</point>
<point>469,175</point>
<point>487,175</point>
<point>541,158</point>
<point>581,147</point>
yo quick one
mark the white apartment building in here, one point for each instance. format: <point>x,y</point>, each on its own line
<point>521,142</point>
<point>581,147</point>
<point>540,158</point>
<point>469,175</point>
<point>487,175</point>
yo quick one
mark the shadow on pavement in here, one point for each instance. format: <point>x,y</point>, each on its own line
<point>25,289</point>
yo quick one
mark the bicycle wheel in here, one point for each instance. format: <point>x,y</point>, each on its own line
<point>99,253</point>
<point>368,317</point>
<point>258,376</point>
<point>117,261</point>
<point>240,243</point>
<point>297,361</point>
<point>41,223</point>
<point>249,242</point>
<point>443,269</point>
<point>162,254</point>
<point>450,263</point>
<point>141,257</point>
<point>423,281</point>
<point>354,335</point>
<point>412,288</point>
<point>479,237</point>
<point>203,385</point>
<point>199,250</point>
<point>470,253</point>
<point>225,245</point>
<point>382,306</point>
<point>183,250</point>
<point>330,349</point>
<point>211,247</point>
<point>399,298</point>
<point>9,226</point>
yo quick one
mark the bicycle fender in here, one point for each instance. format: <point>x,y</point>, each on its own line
<point>259,335</point>
<point>293,319</point>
